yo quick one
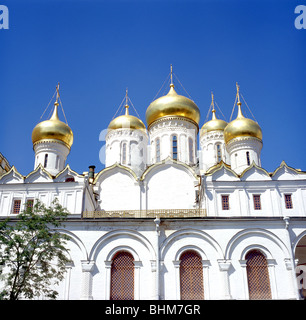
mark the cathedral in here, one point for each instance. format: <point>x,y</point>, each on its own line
<point>164,220</point>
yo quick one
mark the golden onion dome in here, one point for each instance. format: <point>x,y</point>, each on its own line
<point>172,104</point>
<point>214,124</point>
<point>126,121</point>
<point>53,130</point>
<point>241,126</point>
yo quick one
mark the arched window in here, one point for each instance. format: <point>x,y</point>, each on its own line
<point>191,276</point>
<point>258,276</point>
<point>122,277</point>
<point>46,160</point>
<point>69,179</point>
<point>190,143</point>
<point>248,157</point>
<point>57,162</point>
<point>219,153</point>
<point>174,147</point>
<point>124,153</point>
<point>157,149</point>
<point>300,256</point>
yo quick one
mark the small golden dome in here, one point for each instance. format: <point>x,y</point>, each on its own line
<point>53,129</point>
<point>172,104</point>
<point>241,126</point>
<point>126,121</point>
<point>214,124</point>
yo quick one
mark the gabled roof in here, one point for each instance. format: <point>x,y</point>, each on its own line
<point>169,161</point>
<point>67,171</point>
<point>254,173</point>
<point>12,176</point>
<point>115,166</point>
<point>284,172</point>
<point>222,171</point>
<point>40,174</point>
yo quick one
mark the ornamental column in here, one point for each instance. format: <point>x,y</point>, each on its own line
<point>157,253</point>
<point>87,268</point>
<point>224,266</point>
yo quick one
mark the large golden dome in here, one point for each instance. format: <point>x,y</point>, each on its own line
<point>126,121</point>
<point>172,104</point>
<point>242,127</point>
<point>53,130</point>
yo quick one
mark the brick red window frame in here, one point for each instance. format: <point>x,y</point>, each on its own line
<point>225,202</point>
<point>257,202</point>
<point>288,201</point>
<point>16,206</point>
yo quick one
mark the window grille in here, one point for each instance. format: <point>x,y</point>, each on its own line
<point>122,277</point>
<point>225,202</point>
<point>258,276</point>
<point>288,201</point>
<point>257,202</point>
<point>16,206</point>
<point>30,203</point>
<point>191,276</point>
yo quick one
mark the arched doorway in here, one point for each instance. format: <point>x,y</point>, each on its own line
<point>191,276</point>
<point>258,276</point>
<point>300,256</point>
<point>122,277</point>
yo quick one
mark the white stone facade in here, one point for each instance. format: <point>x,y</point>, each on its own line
<point>51,155</point>
<point>156,207</point>
<point>221,243</point>
<point>164,130</point>
<point>243,152</point>
<point>127,147</point>
<point>212,150</point>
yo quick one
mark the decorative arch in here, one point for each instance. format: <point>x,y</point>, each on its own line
<point>117,249</point>
<point>169,161</point>
<point>298,239</point>
<point>264,241</point>
<point>12,176</point>
<point>67,171</point>
<point>244,234</point>
<point>40,174</point>
<point>114,167</point>
<point>194,248</point>
<point>221,172</point>
<point>122,233</point>
<point>262,174</point>
<point>267,254</point>
<point>112,243</point>
<point>76,240</point>
<point>191,233</point>
<point>186,240</point>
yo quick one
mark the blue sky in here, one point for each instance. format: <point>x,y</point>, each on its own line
<point>96,49</point>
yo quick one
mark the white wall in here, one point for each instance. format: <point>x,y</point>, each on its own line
<point>218,242</point>
<point>164,129</point>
